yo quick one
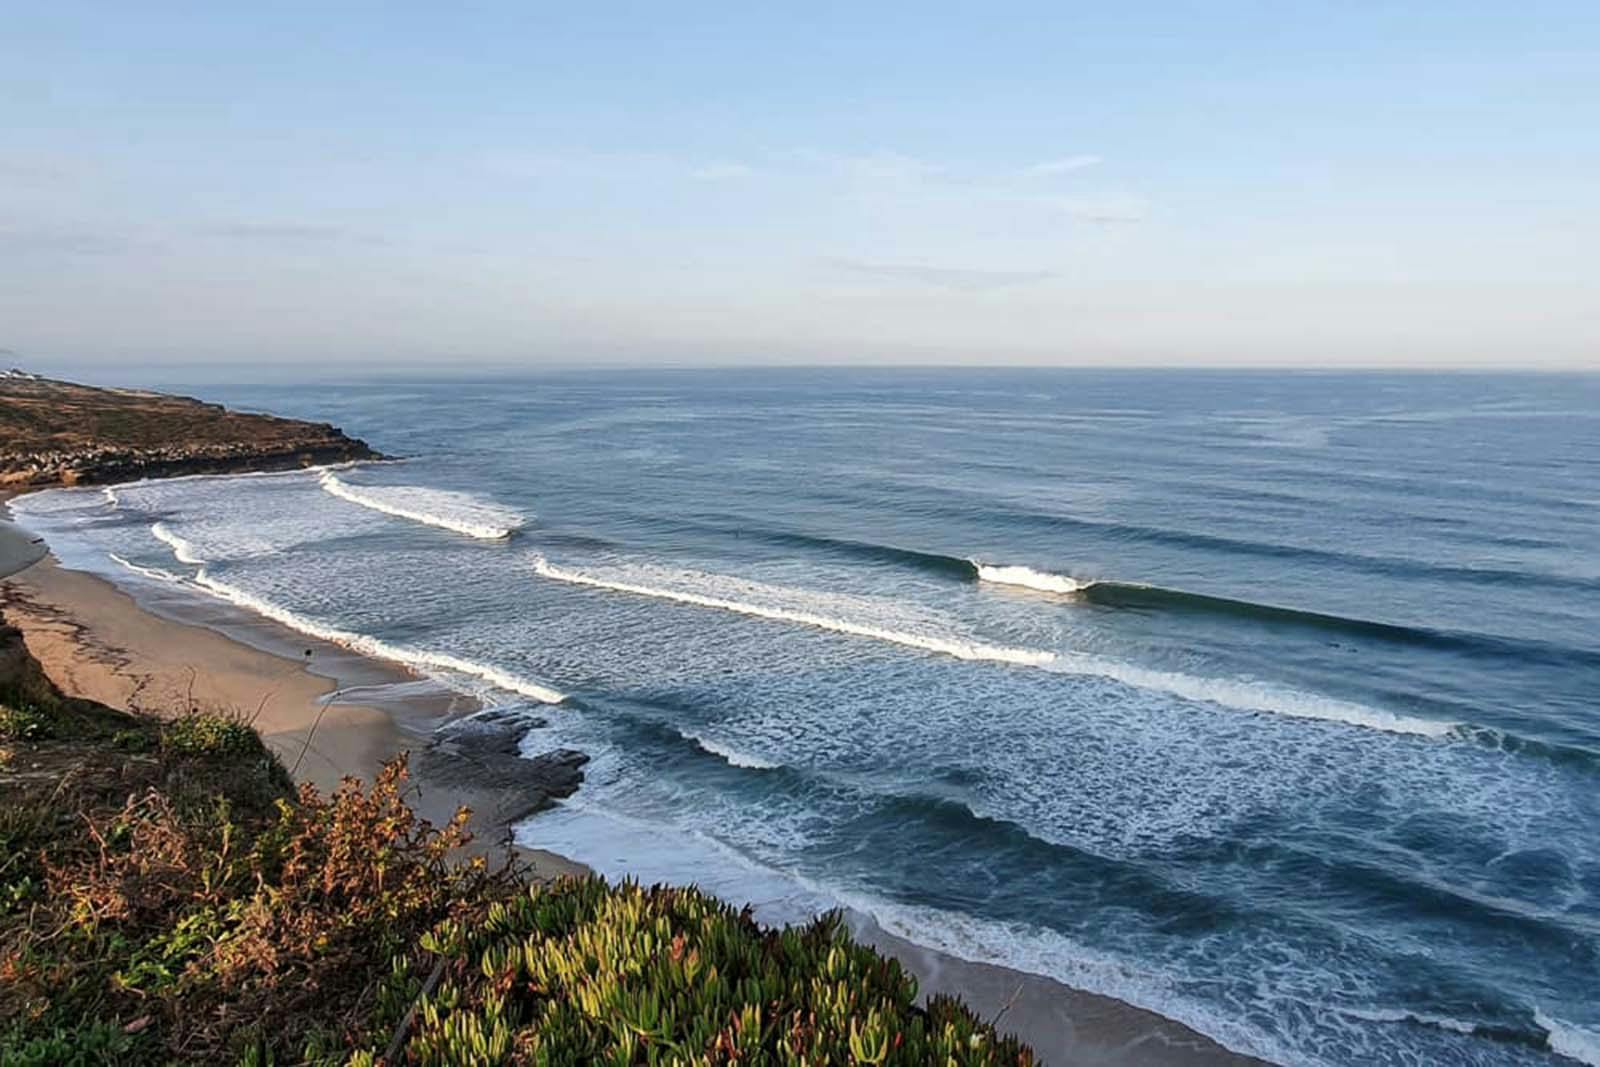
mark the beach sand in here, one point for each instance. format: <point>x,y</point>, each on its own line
<point>95,641</point>
<point>169,651</point>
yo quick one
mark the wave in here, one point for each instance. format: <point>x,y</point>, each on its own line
<point>1120,594</point>
<point>1570,1041</point>
<point>444,508</point>
<point>1383,566</point>
<point>182,550</point>
<point>154,573</point>
<point>933,562</point>
<point>732,757</point>
<point>926,642</point>
<point>1157,598</point>
<point>1387,1015</point>
<point>367,645</point>
<point>1253,696</point>
<point>1238,694</point>
<point>1028,578</point>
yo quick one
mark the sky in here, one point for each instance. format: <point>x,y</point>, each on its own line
<point>295,188</point>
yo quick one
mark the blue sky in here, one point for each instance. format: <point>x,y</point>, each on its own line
<point>432,185</point>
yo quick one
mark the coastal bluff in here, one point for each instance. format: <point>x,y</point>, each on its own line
<point>62,433</point>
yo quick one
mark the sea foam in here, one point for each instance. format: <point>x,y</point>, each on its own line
<point>1252,696</point>
<point>1028,578</point>
<point>1237,694</point>
<point>459,512</point>
<point>731,756</point>
<point>1570,1041</point>
<point>153,573</point>
<point>949,646</point>
<point>183,550</point>
<point>367,645</point>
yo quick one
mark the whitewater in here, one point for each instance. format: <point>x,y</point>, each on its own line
<point>1028,578</point>
<point>1231,693</point>
<point>445,508</point>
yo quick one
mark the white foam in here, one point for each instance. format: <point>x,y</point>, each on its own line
<point>733,757</point>
<point>154,573</point>
<point>1570,1041</point>
<point>927,642</point>
<point>1237,694</point>
<point>1029,578</point>
<point>1251,696</point>
<point>292,472</point>
<point>47,503</point>
<point>367,645</point>
<point>444,508</point>
<point>183,550</point>
<point>1389,1015</point>
<point>111,497</point>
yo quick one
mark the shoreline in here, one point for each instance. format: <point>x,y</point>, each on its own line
<point>98,640</point>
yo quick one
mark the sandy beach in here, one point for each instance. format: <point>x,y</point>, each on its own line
<point>303,696</point>
<point>330,714</point>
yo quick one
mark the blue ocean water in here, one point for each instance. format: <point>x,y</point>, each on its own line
<point>1270,702</point>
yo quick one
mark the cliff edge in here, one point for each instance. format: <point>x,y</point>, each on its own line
<point>61,433</point>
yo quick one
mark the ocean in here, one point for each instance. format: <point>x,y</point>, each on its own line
<point>1267,701</point>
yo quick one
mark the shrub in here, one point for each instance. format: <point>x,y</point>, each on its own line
<point>93,1044</point>
<point>205,733</point>
<point>582,972</point>
<point>23,724</point>
<point>160,905</point>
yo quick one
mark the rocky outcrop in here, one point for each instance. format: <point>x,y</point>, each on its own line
<point>484,751</point>
<point>60,433</point>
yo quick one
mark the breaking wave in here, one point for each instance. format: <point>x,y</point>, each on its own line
<point>733,757</point>
<point>1028,578</point>
<point>1570,1041</point>
<point>969,650</point>
<point>367,645</point>
<point>1138,595</point>
<point>153,573</point>
<point>182,550</point>
<point>1238,694</point>
<point>1258,697</point>
<point>1250,696</point>
<point>448,510</point>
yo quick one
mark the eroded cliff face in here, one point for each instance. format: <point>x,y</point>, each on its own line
<point>62,433</point>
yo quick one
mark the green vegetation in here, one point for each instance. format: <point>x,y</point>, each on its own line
<point>166,897</point>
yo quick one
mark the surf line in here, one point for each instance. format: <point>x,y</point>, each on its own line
<point>471,517</point>
<point>1238,695</point>
<point>928,643</point>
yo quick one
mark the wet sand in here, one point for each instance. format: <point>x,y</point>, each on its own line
<point>18,549</point>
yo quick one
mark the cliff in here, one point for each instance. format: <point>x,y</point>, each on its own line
<point>61,433</point>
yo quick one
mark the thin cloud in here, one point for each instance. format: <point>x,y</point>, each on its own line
<point>880,166</point>
<point>963,279</point>
<point>288,233</point>
<point>722,172</point>
<point>49,240</point>
<point>1106,210</point>
<point>1067,165</point>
